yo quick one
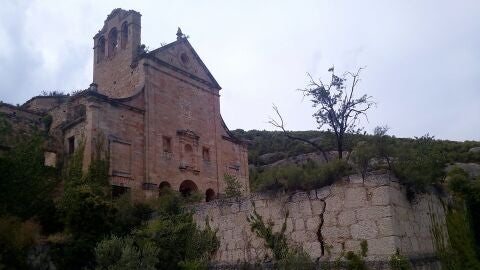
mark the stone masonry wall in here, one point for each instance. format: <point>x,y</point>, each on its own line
<point>352,210</point>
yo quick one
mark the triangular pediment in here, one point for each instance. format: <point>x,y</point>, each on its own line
<point>181,56</point>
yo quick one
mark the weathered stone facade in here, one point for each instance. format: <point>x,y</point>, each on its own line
<point>157,112</point>
<point>330,220</point>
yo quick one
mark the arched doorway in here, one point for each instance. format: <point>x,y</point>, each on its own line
<point>187,188</point>
<point>209,195</point>
<point>163,187</point>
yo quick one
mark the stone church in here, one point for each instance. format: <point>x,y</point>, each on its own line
<point>158,112</point>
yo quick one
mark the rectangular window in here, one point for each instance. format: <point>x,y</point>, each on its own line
<point>206,154</point>
<point>167,144</point>
<point>71,145</point>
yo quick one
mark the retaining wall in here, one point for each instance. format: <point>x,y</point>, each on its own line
<point>376,210</point>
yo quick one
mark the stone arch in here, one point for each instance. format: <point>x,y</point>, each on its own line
<point>101,49</point>
<point>112,41</point>
<point>209,195</point>
<point>187,187</point>
<point>163,187</point>
<point>124,35</point>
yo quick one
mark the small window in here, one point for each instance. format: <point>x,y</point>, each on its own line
<point>206,154</point>
<point>124,35</point>
<point>100,49</point>
<point>71,145</point>
<point>112,42</point>
<point>167,144</point>
<point>184,58</point>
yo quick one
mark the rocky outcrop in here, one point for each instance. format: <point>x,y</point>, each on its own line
<point>301,159</point>
<point>473,169</point>
<point>474,150</point>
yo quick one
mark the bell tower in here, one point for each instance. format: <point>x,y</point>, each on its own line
<point>116,48</point>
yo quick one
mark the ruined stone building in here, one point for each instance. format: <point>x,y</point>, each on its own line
<point>157,111</point>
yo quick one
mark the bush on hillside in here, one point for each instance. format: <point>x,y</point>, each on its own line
<point>305,177</point>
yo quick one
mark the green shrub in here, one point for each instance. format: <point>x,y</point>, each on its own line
<point>419,165</point>
<point>24,175</point>
<point>16,237</point>
<point>174,233</point>
<point>399,262</point>
<point>298,259</point>
<point>129,215</point>
<point>123,253</point>
<point>233,187</point>
<point>275,241</point>
<point>356,261</point>
<point>361,157</point>
<point>306,177</point>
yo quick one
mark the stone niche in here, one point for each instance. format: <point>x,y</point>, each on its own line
<point>375,210</point>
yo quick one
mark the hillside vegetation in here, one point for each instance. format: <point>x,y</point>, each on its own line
<point>277,161</point>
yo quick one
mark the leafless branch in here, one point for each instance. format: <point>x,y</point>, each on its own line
<point>281,125</point>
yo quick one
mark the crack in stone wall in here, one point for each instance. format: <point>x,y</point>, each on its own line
<point>319,231</point>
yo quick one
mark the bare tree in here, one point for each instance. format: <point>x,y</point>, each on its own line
<point>337,107</point>
<point>280,124</point>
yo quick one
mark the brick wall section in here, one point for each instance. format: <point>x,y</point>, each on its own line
<point>376,210</point>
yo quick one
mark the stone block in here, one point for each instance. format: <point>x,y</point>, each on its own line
<point>299,224</point>
<point>352,245</point>
<point>355,179</point>
<point>373,212</point>
<point>377,180</point>
<point>317,206</point>
<point>323,192</point>
<point>335,233</point>
<point>346,218</point>
<point>228,235</point>
<point>305,208</point>
<point>366,229</point>
<point>330,219</point>
<point>382,246</point>
<point>355,197</point>
<point>381,195</point>
<point>298,236</point>
<point>335,203</point>
<point>299,197</point>
<point>290,227</point>
<point>313,249</point>
<point>293,209</point>
<point>234,208</point>
<point>385,226</point>
<point>260,204</point>
<point>313,223</point>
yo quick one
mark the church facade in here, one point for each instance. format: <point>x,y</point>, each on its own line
<point>157,112</point>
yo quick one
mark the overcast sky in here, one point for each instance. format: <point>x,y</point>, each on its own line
<point>422,57</point>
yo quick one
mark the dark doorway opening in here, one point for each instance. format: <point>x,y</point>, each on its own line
<point>187,188</point>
